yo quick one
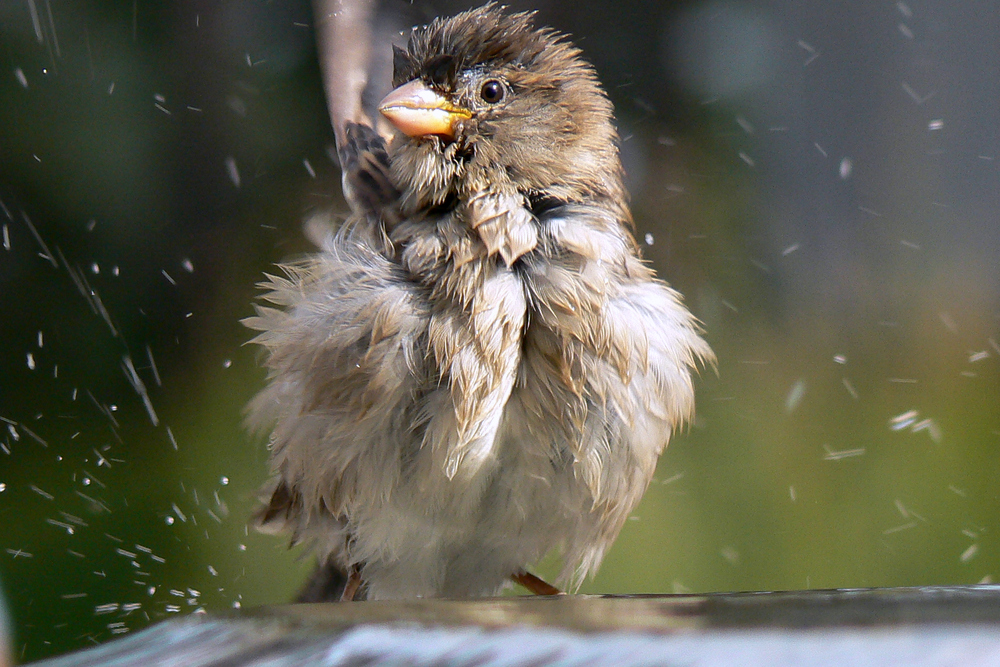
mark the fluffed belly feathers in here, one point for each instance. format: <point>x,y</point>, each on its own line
<point>445,427</point>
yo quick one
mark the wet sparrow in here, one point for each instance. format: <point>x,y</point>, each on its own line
<point>476,368</point>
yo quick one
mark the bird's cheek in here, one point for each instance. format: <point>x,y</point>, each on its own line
<point>466,130</point>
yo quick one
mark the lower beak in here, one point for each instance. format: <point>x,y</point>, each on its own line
<point>419,111</point>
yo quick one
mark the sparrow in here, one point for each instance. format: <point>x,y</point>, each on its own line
<point>476,368</point>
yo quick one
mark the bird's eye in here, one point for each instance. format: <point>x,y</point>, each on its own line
<point>492,91</point>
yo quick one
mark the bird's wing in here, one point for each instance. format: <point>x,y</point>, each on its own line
<point>364,163</point>
<point>606,373</point>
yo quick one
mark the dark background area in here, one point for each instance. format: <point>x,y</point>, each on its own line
<point>820,179</point>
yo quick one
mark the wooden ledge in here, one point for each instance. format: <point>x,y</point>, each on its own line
<point>912,626</point>
<point>667,613</point>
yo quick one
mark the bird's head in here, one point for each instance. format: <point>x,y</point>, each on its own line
<point>484,100</point>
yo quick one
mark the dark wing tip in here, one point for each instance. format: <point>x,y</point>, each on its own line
<point>285,503</point>
<point>364,162</point>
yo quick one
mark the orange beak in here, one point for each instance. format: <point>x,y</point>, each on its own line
<point>419,111</point>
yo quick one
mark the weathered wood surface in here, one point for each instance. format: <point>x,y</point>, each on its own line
<point>903,626</point>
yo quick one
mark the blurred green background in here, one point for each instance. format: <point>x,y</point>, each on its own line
<point>820,179</point>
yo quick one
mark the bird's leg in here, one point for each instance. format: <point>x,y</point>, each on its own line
<point>535,584</point>
<point>353,584</point>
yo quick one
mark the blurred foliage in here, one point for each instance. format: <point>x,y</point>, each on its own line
<point>819,179</point>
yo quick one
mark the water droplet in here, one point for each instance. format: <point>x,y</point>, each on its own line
<point>795,395</point>
<point>845,168</point>
<point>233,171</point>
<point>223,480</point>
<point>170,520</point>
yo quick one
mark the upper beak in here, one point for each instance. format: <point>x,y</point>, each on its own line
<point>419,111</point>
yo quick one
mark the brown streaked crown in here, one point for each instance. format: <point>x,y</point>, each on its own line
<point>483,36</point>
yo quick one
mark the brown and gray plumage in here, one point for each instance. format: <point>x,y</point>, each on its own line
<point>477,368</point>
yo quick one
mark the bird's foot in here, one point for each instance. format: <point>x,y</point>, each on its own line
<point>535,584</point>
<point>353,584</point>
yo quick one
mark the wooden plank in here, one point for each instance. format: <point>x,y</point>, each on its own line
<point>904,626</point>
